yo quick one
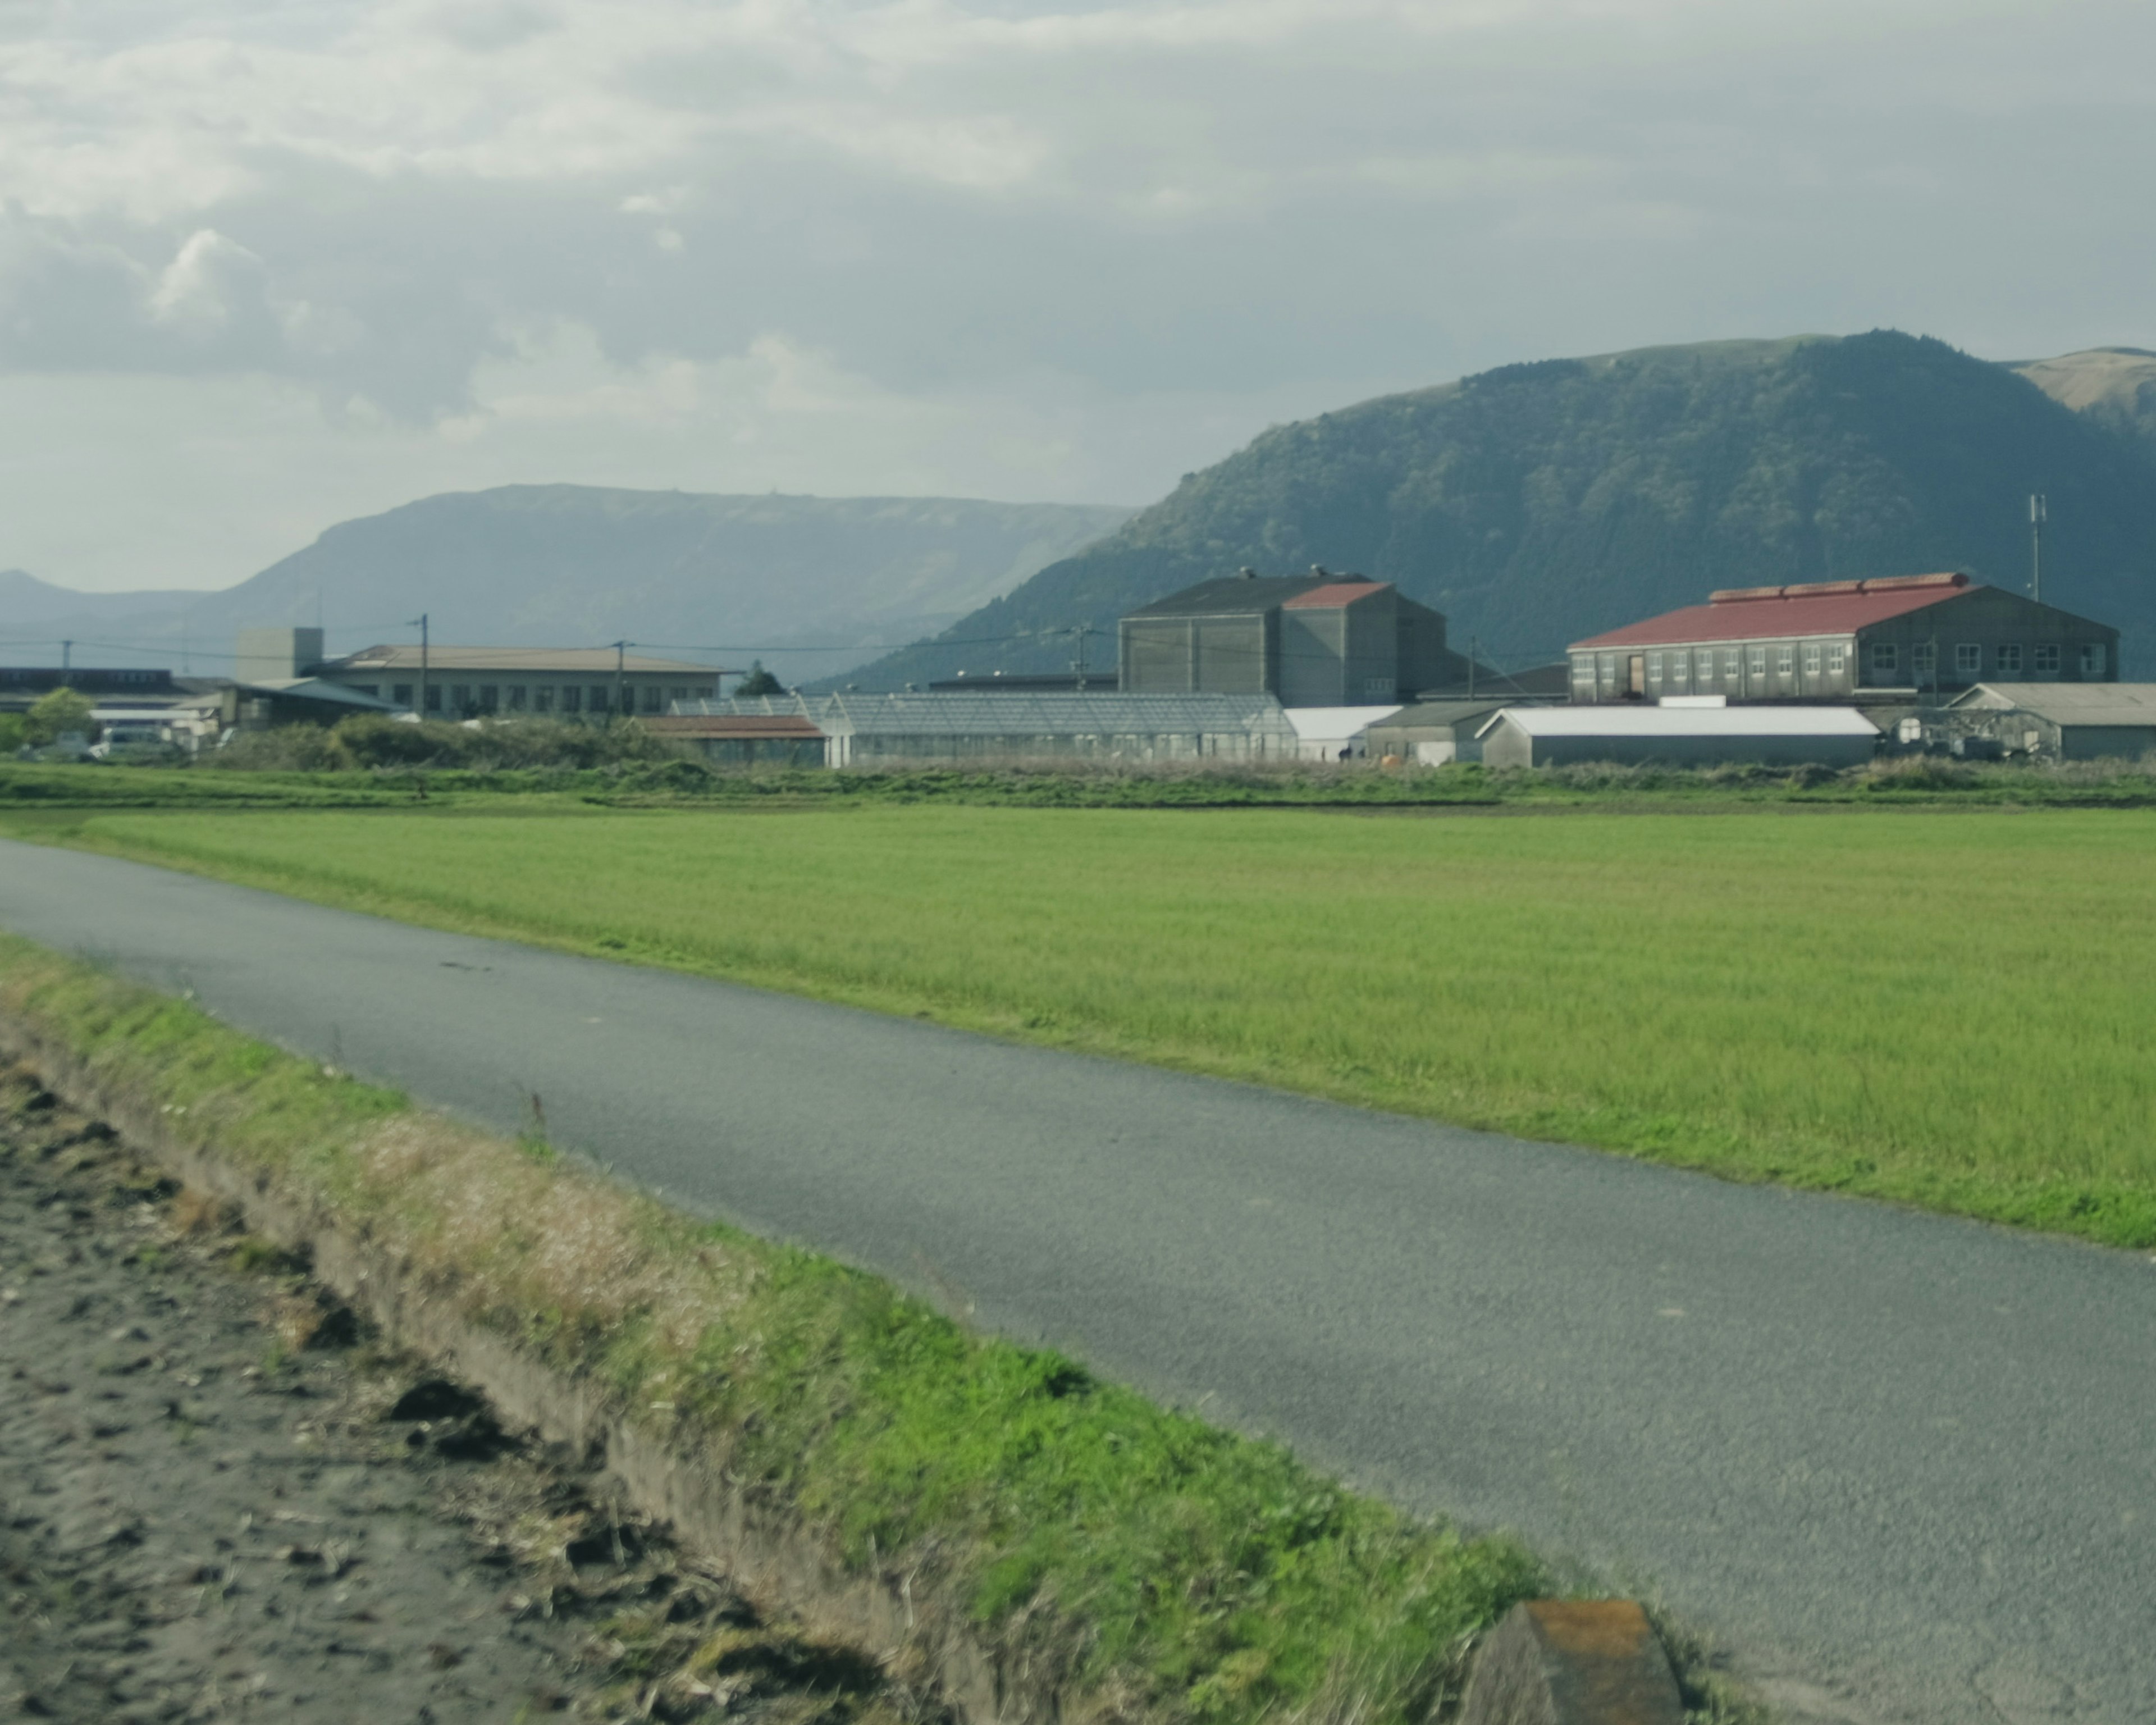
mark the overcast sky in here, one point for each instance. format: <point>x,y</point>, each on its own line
<point>264,266</point>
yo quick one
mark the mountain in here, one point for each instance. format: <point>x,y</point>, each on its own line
<point>2117,385</point>
<point>1538,504</point>
<point>808,584</point>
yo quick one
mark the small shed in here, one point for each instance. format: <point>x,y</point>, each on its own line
<point>745,739</point>
<point>1679,735</point>
<point>1434,732</point>
<point>2068,722</point>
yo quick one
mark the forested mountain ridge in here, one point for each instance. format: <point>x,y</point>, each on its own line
<point>1539,503</point>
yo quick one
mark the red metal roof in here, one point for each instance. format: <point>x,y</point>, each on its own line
<point>1755,613</point>
<point>1333,595</point>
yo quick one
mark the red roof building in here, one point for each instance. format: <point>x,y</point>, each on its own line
<point>1902,637</point>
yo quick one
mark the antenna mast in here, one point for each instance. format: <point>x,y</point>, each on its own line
<point>2037,515</point>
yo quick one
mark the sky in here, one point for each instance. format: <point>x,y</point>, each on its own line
<point>267,266</point>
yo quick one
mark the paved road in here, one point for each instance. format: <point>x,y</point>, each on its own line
<point>1905,1467</point>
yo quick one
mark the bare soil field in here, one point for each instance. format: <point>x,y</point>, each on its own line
<point>218,1501</point>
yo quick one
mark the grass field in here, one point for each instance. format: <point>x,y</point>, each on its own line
<point>1953,1008</point>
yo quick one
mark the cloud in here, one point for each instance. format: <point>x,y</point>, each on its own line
<point>392,210</point>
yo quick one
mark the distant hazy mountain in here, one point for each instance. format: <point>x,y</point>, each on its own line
<point>809,584</point>
<point>1536,504</point>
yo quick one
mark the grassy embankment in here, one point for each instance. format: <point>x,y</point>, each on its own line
<point>1185,1572</point>
<point>1956,1010</point>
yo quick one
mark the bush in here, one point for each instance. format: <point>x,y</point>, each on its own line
<point>373,742</point>
<point>14,732</point>
<point>58,713</point>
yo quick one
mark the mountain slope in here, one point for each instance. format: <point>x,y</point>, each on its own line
<point>2114,384</point>
<point>568,565</point>
<point>1538,504</point>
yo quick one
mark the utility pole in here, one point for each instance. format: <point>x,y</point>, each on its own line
<point>620,671</point>
<point>422,621</point>
<point>1474,651</point>
<point>67,656</point>
<point>1078,664</point>
<point>2038,511</point>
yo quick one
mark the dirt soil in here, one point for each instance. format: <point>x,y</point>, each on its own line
<point>218,1499</point>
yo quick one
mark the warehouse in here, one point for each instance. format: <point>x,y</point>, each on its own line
<point>1693,733</point>
<point>1900,637</point>
<point>954,729</point>
<point>2060,721</point>
<point>1314,640</point>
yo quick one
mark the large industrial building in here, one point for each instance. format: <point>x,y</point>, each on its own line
<point>1905,637</point>
<point>449,682</point>
<point>954,729</point>
<point>1315,640</point>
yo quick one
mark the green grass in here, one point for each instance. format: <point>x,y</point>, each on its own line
<point>1954,1009</point>
<point>1179,1572</point>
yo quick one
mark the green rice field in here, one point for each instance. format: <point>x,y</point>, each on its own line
<point>1950,1008</point>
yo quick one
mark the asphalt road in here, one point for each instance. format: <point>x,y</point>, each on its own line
<point>1904,1467</point>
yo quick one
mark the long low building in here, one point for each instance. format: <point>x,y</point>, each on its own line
<point>954,729</point>
<point>1679,735</point>
<point>748,739</point>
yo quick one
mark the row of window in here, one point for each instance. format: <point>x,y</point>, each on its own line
<point>467,700</point>
<point>1677,670</point>
<point>2045,658</point>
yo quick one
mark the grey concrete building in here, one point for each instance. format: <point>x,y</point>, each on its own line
<point>2063,722</point>
<point>968,729</point>
<point>1905,638</point>
<point>1314,640</point>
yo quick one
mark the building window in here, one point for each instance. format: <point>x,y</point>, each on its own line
<point>2092,659</point>
<point>572,698</point>
<point>2045,658</point>
<point>1837,659</point>
<point>542,699</point>
<point>1758,661</point>
<point>1582,677</point>
<point>516,697</point>
<point>1969,657</point>
<point>1703,676</point>
<point>674,695</point>
<point>1924,658</point>
<point>1679,670</point>
<point>652,703</point>
<point>1885,657</point>
<point>2010,659</point>
<point>1813,658</point>
<point>1731,660</point>
<point>1653,671</point>
<point>490,698</point>
<point>401,693</point>
<point>460,701</point>
<point>601,698</point>
<point>434,697</point>
<point>1785,662</point>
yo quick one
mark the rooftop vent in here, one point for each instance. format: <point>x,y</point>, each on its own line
<point>1823,589</point>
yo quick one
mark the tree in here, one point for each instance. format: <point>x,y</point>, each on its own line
<point>58,713</point>
<point>760,682</point>
<point>13,731</point>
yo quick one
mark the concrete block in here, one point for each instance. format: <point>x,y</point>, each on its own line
<point>1573,1662</point>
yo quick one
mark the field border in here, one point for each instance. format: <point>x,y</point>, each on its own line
<point>286,1144</point>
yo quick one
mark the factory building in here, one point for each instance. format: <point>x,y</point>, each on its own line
<point>1902,638</point>
<point>951,729</point>
<point>1316,640</point>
